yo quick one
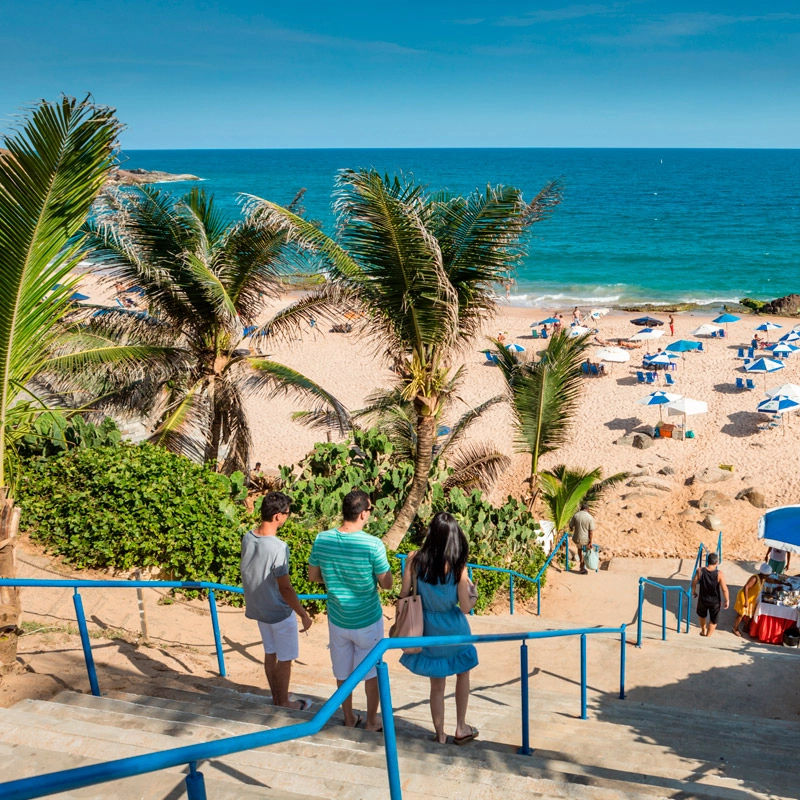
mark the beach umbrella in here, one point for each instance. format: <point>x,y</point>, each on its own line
<point>792,336</point>
<point>682,346</point>
<point>78,297</point>
<point>645,334</point>
<point>706,329</point>
<point>780,527</point>
<point>577,330</point>
<point>786,389</point>
<point>515,348</point>
<point>764,365</point>
<point>785,348</point>
<point>768,326</point>
<point>796,327</point>
<point>685,406</point>
<point>646,322</point>
<point>779,404</point>
<point>659,358</point>
<point>614,354</point>
<point>659,399</point>
<point>548,321</point>
<point>724,319</point>
<point>596,313</point>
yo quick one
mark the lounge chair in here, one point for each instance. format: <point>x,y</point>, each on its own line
<point>740,383</point>
<point>749,384</point>
<point>640,376</point>
<point>534,333</point>
<point>585,368</point>
<point>651,377</point>
<point>713,334</point>
<point>491,358</point>
<point>751,353</point>
<point>669,379</point>
<point>594,370</point>
<point>700,348</point>
<point>740,353</point>
<point>544,333</point>
<point>722,334</point>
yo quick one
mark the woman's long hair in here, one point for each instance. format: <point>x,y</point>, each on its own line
<point>444,551</point>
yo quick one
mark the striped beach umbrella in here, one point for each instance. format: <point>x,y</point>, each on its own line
<point>768,326</point>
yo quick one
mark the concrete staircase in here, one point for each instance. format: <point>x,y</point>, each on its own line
<point>626,749</point>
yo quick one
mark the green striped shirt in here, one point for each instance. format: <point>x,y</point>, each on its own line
<point>350,564</point>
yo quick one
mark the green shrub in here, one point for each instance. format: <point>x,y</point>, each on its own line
<point>56,432</point>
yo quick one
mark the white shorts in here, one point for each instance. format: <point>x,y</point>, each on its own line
<point>349,646</point>
<point>281,638</point>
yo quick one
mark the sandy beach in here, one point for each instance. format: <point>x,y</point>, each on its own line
<point>635,521</point>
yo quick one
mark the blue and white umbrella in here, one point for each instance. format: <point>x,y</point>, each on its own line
<point>768,326</point>
<point>765,366</point>
<point>659,399</point>
<point>659,358</point>
<point>785,348</point>
<point>792,336</point>
<point>515,348</point>
<point>779,404</point>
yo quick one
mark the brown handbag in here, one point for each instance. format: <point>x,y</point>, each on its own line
<point>408,616</point>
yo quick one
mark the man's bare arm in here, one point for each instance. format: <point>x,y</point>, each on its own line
<point>315,574</point>
<point>386,580</point>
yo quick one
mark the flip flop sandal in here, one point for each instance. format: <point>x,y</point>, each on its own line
<point>359,720</point>
<point>460,740</point>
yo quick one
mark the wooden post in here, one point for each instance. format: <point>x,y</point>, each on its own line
<point>10,607</point>
<point>142,609</point>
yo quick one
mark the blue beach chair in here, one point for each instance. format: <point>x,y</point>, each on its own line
<point>651,377</point>
<point>740,383</point>
<point>640,376</point>
<point>740,353</point>
<point>585,368</point>
<point>751,353</point>
<point>749,383</point>
<point>669,379</point>
<point>594,370</point>
<point>713,334</point>
<point>700,348</point>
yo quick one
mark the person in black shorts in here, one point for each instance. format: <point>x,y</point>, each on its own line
<point>709,587</point>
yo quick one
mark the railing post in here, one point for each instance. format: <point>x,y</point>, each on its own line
<point>622,645</point>
<point>402,560</point>
<point>663,616</point>
<point>525,750</point>
<point>688,609</point>
<point>583,676</point>
<point>680,611</point>
<point>719,547</point>
<point>389,736</point>
<point>195,785</point>
<point>85,644</point>
<point>639,615</point>
<point>566,553</point>
<point>511,591</point>
<point>212,604</point>
<point>539,597</point>
<point>469,575</point>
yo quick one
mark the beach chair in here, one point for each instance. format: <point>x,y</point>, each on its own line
<point>594,370</point>
<point>640,376</point>
<point>534,333</point>
<point>751,353</point>
<point>544,333</point>
<point>491,358</point>
<point>585,368</point>
<point>700,348</point>
<point>713,334</point>
<point>722,334</point>
<point>740,383</point>
<point>669,379</point>
<point>749,384</point>
<point>747,361</point>
<point>740,353</point>
<point>651,377</point>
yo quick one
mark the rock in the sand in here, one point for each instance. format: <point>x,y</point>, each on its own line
<point>666,471</point>
<point>687,512</point>
<point>641,493</point>
<point>625,441</point>
<point>711,499</point>
<point>712,475</point>
<point>754,495</point>
<point>712,522</point>
<point>641,442</point>
<point>652,482</point>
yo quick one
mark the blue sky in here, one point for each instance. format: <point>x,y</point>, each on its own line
<point>416,74</point>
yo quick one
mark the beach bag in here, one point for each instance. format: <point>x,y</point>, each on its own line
<point>408,616</point>
<point>591,558</point>
<point>473,594</point>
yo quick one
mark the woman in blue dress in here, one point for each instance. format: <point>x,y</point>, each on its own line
<point>440,567</point>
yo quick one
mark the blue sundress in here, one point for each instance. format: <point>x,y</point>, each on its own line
<point>441,616</point>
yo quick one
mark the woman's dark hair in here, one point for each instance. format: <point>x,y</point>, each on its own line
<point>445,546</point>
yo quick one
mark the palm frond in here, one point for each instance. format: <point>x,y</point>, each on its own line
<point>476,466</point>
<point>185,428</point>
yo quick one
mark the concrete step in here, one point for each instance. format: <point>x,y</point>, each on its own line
<point>559,746</point>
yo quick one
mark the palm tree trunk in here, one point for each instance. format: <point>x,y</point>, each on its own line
<point>10,608</point>
<point>426,433</point>
<point>215,439</point>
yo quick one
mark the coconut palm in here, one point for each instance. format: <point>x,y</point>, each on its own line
<point>204,281</point>
<point>54,165</point>
<point>420,269</point>
<point>543,396</point>
<point>563,490</point>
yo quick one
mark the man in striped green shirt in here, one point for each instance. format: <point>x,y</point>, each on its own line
<point>352,565</point>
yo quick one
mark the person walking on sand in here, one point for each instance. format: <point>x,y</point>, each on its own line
<point>671,325</point>
<point>271,600</point>
<point>778,560</point>
<point>582,527</point>
<point>352,565</point>
<point>576,316</point>
<point>709,587</point>
<point>438,572</point>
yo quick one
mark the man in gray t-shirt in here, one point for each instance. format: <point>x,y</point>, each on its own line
<point>271,600</point>
<point>582,527</point>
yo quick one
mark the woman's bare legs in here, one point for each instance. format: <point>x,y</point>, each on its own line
<point>437,706</point>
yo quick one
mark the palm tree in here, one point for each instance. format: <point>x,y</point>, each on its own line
<point>420,269</point>
<point>53,168</point>
<point>564,490</point>
<point>543,396</point>
<point>204,281</point>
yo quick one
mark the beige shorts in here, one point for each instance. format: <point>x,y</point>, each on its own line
<point>349,646</point>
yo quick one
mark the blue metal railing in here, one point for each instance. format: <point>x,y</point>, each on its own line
<point>537,579</point>
<point>71,779</point>
<point>83,630</point>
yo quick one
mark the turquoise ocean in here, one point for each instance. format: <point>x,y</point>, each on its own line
<point>635,226</point>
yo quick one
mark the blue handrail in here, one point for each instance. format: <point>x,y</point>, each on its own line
<point>80,616</point>
<point>664,589</point>
<point>513,573</point>
<point>66,780</point>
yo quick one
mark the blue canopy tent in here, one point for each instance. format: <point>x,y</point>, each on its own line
<point>780,528</point>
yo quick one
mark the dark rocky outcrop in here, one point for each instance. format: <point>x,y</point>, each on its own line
<point>135,177</point>
<point>783,306</point>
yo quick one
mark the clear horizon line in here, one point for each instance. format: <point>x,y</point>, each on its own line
<point>459,147</point>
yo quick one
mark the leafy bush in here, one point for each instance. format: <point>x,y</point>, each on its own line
<point>749,302</point>
<point>55,432</point>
